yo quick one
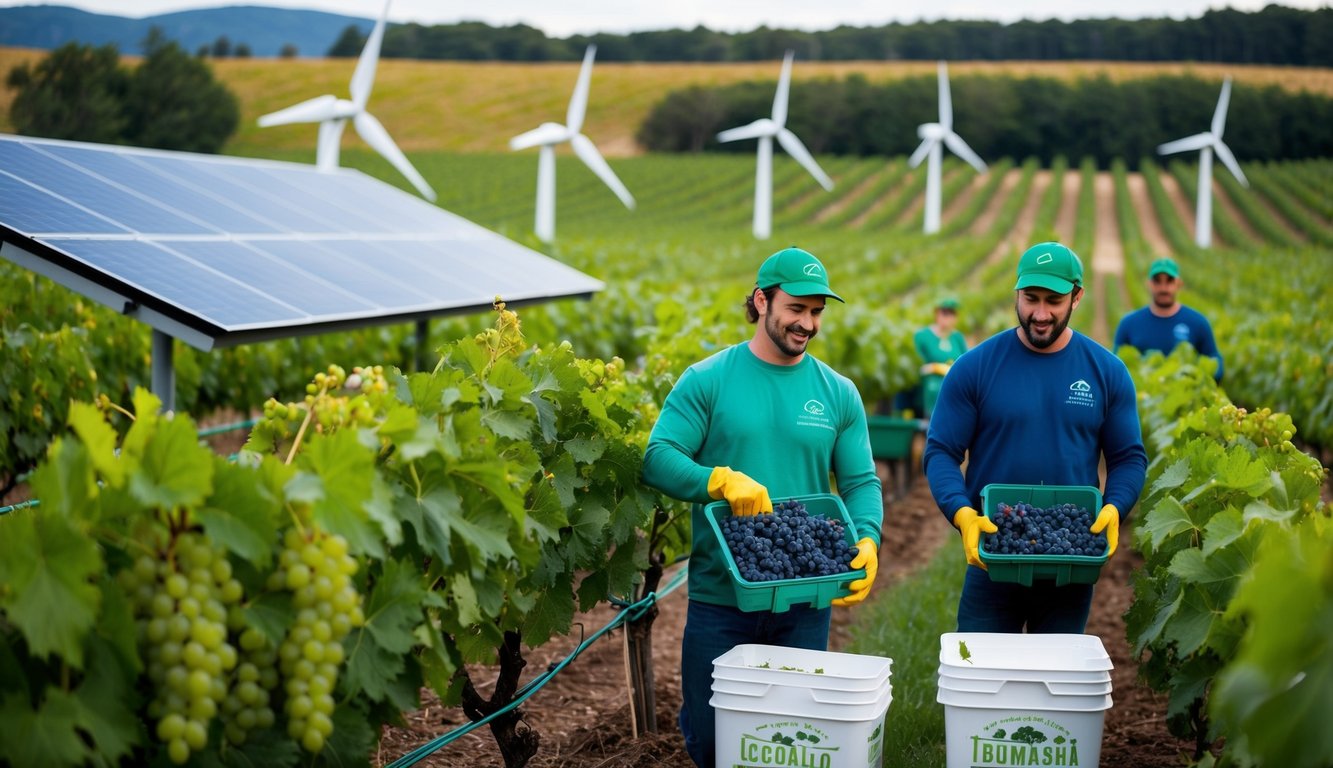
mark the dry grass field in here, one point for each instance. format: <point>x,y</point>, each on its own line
<point>477,107</point>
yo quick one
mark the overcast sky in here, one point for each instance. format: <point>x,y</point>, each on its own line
<point>565,17</point>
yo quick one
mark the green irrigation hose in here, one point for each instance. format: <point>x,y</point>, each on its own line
<point>20,505</point>
<point>631,613</point>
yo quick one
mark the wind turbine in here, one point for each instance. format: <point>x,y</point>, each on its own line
<point>765,129</point>
<point>1207,143</point>
<point>332,114</point>
<point>934,137</point>
<point>547,135</point>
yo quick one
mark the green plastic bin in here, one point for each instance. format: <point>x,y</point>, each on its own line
<point>891,436</point>
<point>1024,569</point>
<point>780,596</point>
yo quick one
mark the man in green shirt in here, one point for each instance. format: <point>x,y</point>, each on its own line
<point>939,345</point>
<point>757,421</point>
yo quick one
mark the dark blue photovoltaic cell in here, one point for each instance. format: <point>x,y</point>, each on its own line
<point>292,215</point>
<point>33,211</point>
<point>133,212</point>
<point>344,264</point>
<point>241,249</point>
<point>179,282</point>
<point>189,200</point>
<point>252,265</point>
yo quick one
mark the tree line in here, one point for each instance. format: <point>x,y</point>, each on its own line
<point>1003,116</point>
<point>1274,35</point>
<point>82,93</point>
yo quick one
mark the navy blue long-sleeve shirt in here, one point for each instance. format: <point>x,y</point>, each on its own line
<point>1031,418</point>
<point>1144,331</point>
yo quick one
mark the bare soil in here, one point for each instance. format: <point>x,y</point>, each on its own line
<point>584,720</point>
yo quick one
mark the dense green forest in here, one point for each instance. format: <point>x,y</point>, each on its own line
<point>1273,35</point>
<point>1003,117</point>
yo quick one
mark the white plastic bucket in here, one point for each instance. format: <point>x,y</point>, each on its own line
<point>1023,700</point>
<point>778,707</point>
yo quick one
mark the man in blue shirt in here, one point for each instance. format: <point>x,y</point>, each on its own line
<point>1033,405</point>
<point>1166,322</point>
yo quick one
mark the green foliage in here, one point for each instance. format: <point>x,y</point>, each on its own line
<point>1002,116</point>
<point>77,92</point>
<point>169,101</point>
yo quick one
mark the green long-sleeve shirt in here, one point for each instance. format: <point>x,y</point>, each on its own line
<point>787,427</point>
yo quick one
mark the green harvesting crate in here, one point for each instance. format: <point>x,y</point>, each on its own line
<point>779,596</point>
<point>1024,569</point>
<point>891,436</point>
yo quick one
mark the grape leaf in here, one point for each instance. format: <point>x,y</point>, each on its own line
<point>1191,622</point>
<point>100,440</point>
<point>586,450</point>
<point>1260,509</point>
<point>1225,527</point>
<point>1241,471</point>
<point>552,614</point>
<point>175,470</point>
<point>107,703</point>
<point>65,482</point>
<point>586,545</point>
<point>262,749</point>
<point>346,471</point>
<point>46,563</point>
<point>242,513</point>
<point>1170,479</point>
<point>1224,565</point>
<point>46,737</point>
<point>350,744</point>
<point>115,625</point>
<point>1165,520</point>
<point>507,423</point>
<point>271,614</point>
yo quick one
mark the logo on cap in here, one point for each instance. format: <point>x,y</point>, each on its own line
<point>811,269</point>
<point>1045,258</point>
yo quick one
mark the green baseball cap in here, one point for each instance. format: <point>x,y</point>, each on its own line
<point>797,272</point>
<point>1051,266</point>
<point>946,302</point>
<point>1163,267</point>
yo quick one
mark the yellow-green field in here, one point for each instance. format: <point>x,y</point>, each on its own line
<point>477,107</point>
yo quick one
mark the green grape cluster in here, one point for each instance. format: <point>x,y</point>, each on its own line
<point>247,706</point>
<point>318,571</point>
<point>180,604</point>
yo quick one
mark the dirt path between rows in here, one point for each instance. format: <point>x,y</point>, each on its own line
<point>1066,220</point>
<point>1108,258</point>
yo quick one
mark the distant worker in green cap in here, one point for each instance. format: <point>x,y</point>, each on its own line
<point>758,421</point>
<point>938,345</point>
<point>1040,404</point>
<point>1166,323</point>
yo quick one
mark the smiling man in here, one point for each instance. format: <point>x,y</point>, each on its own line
<point>758,421</point>
<point>1166,323</point>
<point>1040,404</point>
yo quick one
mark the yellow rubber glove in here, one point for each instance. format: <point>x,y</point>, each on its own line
<point>934,369</point>
<point>1109,520</point>
<point>745,496</point>
<point>868,558</point>
<point>972,525</point>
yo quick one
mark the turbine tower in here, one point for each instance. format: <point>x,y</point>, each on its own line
<point>1207,143</point>
<point>935,136</point>
<point>332,114</point>
<point>547,135</point>
<point>766,129</point>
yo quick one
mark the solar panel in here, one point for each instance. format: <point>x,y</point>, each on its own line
<point>217,251</point>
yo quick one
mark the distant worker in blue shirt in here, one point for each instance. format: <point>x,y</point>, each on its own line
<point>1039,404</point>
<point>1166,323</point>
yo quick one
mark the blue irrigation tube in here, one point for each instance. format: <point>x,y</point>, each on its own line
<point>630,612</point>
<point>20,505</point>
<point>221,428</point>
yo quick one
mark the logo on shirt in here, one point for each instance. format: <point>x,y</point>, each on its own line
<point>1080,393</point>
<point>815,415</point>
<point>1181,332</point>
<point>814,407</point>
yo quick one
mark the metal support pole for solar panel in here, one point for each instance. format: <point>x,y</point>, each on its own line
<point>164,370</point>
<point>423,343</point>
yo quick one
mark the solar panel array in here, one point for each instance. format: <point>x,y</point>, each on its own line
<point>238,250</point>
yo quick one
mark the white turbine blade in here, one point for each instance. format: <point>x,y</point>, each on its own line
<point>784,88</point>
<point>920,153</point>
<point>759,128</point>
<point>946,101</point>
<point>315,110</point>
<point>1229,160</point>
<point>1187,144</point>
<point>578,103</point>
<point>1220,114</point>
<point>960,148</point>
<point>363,78</point>
<point>546,133</point>
<point>370,129</point>
<point>796,149</point>
<point>587,152</point>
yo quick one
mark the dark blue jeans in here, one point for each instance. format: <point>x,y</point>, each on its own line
<point>1043,608</point>
<point>712,630</point>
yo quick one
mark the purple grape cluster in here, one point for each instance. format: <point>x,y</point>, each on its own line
<point>788,544</point>
<point>1061,529</point>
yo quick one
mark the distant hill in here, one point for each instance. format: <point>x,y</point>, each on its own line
<point>265,30</point>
